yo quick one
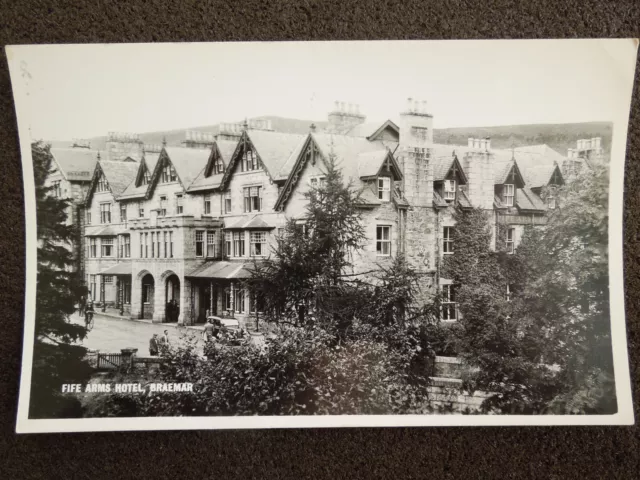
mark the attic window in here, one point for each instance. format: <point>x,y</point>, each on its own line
<point>218,167</point>
<point>384,189</point>
<point>449,189</point>
<point>146,177</point>
<point>249,160</point>
<point>102,185</point>
<point>508,193</point>
<point>168,174</point>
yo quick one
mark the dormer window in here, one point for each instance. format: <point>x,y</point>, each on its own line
<point>218,167</point>
<point>249,161</point>
<point>146,177</point>
<point>449,189</point>
<point>168,174</point>
<point>508,194</point>
<point>384,189</point>
<point>102,185</point>
<point>551,202</point>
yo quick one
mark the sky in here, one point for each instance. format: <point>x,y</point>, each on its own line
<point>82,91</point>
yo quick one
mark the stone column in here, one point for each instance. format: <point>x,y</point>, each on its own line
<point>159,300</point>
<point>185,317</point>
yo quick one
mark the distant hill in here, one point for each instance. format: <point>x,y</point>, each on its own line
<point>560,137</point>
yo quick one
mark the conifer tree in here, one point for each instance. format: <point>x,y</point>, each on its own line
<point>56,360</point>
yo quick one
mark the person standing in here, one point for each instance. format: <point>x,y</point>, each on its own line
<point>153,345</point>
<point>164,340</point>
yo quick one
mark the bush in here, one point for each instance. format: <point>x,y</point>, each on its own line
<point>300,371</point>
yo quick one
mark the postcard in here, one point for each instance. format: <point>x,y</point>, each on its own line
<point>323,234</point>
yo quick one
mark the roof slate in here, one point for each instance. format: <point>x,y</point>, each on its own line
<point>76,164</point>
<point>119,175</point>
<point>527,200</point>
<point>188,162</point>
<point>278,151</point>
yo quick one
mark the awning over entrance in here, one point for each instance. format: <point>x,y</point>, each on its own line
<point>222,270</point>
<point>123,268</point>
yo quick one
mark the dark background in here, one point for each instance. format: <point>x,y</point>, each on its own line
<point>549,452</point>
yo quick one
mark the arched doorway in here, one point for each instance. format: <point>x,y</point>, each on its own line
<point>172,298</point>
<point>147,295</point>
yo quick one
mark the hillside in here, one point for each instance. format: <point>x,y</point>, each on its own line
<point>560,137</point>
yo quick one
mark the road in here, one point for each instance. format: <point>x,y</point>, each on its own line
<point>113,334</point>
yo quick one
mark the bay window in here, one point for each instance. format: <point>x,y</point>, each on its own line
<point>258,244</point>
<point>106,247</point>
<point>238,244</point>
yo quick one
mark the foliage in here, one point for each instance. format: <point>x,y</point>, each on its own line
<point>300,371</point>
<point>55,359</point>
<point>549,348</point>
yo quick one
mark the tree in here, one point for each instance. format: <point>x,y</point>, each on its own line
<point>548,349</point>
<point>311,258</point>
<point>55,359</point>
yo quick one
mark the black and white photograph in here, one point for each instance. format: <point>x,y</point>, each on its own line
<point>323,234</point>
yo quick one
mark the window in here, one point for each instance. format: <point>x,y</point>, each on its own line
<point>170,244</point>
<point>146,177</point>
<point>140,209</point>
<point>508,192</point>
<point>447,240</point>
<point>508,294</point>
<point>108,278</point>
<point>153,244</point>
<point>88,217</point>
<point>147,293</point>
<point>199,243</point>
<point>249,160</point>
<point>207,205</point>
<point>238,244</point>
<point>123,213</point>
<point>126,293</point>
<point>211,244</point>
<point>258,244</point>
<point>179,204</point>
<point>107,247</point>
<point>551,202</point>
<point>55,189</point>
<point>168,174</point>
<point>449,306</point>
<point>238,300</point>
<point>146,245</point>
<point>384,189</point>
<point>252,199</point>
<point>227,244</point>
<point>218,167</point>
<point>141,245</point>
<point>511,235</point>
<point>227,202</point>
<point>105,213</point>
<point>125,243</point>
<point>162,211</point>
<point>158,244</point>
<point>383,241</point>
<point>102,185</point>
<point>317,182</point>
<point>93,247</point>
<point>449,189</point>
<point>165,244</point>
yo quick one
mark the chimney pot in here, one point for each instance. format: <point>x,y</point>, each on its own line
<point>409,104</point>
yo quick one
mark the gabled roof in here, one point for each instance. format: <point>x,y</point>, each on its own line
<point>223,150</point>
<point>503,164</point>
<point>188,162</point>
<point>539,176</point>
<point>370,130</point>
<point>277,151</point>
<point>370,163</point>
<point>527,200</point>
<point>255,222</point>
<point>135,190</point>
<point>443,165</point>
<point>75,164</point>
<point>119,175</point>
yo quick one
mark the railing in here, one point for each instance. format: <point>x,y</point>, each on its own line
<point>112,360</point>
